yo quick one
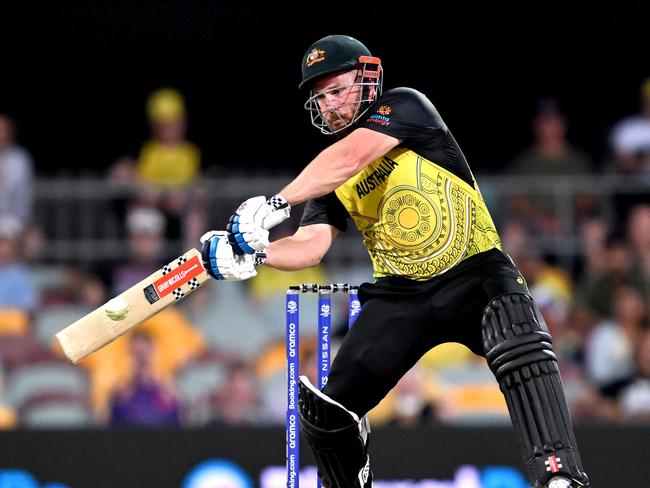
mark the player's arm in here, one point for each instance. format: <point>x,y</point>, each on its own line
<point>248,226</point>
<point>303,249</point>
<point>338,163</point>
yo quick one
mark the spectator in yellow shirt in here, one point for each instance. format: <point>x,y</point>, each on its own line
<point>164,167</point>
<point>168,160</point>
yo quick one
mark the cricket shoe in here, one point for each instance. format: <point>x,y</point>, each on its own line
<point>562,482</point>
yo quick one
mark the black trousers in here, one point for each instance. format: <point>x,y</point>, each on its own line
<point>402,319</point>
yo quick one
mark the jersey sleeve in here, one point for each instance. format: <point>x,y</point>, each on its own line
<point>405,114</point>
<point>327,209</point>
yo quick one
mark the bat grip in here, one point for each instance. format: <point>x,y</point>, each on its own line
<point>276,217</point>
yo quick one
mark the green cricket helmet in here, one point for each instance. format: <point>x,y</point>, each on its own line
<point>337,54</point>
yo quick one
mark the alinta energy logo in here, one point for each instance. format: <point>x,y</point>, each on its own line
<point>380,119</point>
<point>315,56</point>
<point>384,110</point>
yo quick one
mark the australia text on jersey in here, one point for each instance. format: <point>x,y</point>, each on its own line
<point>376,178</point>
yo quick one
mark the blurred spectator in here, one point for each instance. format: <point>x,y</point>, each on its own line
<point>551,154</point>
<point>176,342</point>
<point>145,228</point>
<point>629,142</point>
<point>593,242</point>
<point>166,165</point>
<point>238,402</point>
<point>625,259</point>
<point>460,387</point>
<point>609,350</point>
<point>78,287</point>
<point>634,399</point>
<point>270,282</point>
<point>630,138</point>
<point>8,417</point>
<point>412,402</point>
<point>591,270</point>
<point>638,234</point>
<point>17,287</point>
<point>595,294</point>
<point>449,384</point>
<point>16,175</point>
<point>550,285</point>
<point>168,159</point>
<point>145,400</point>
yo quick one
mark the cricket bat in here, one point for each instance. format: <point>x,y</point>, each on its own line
<point>164,287</point>
<point>119,315</point>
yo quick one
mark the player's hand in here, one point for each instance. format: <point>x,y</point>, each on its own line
<point>249,226</point>
<point>220,260</point>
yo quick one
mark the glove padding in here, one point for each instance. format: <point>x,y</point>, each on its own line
<point>249,226</point>
<point>221,262</point>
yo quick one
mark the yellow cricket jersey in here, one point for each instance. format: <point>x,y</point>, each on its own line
<point>169,166</point>
<point>418,207</point>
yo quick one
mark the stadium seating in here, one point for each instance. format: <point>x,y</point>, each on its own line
<point>56,410</point>
<point>47,375</point>
<point>51,320</point>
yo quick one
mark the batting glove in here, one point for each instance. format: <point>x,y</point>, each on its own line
<point>220,260</point>
<point>249,226</point>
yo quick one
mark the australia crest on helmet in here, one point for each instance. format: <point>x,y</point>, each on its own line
<point>315,56</point>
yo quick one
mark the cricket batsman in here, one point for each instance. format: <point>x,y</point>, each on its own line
<point>440,274</point>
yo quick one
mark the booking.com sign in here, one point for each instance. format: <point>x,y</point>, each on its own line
<point>15,478</point>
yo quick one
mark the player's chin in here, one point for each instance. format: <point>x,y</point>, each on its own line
<point>336,124</point>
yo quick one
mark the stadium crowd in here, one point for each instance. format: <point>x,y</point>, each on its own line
<point>219,357</point>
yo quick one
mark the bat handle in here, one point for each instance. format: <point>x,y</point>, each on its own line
<point>276,217</point>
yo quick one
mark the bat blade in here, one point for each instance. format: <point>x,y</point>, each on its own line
<point>165,287</point>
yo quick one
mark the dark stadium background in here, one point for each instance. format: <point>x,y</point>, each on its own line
<point>76,75</point>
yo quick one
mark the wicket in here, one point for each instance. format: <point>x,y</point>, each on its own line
<point>324,357</point>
